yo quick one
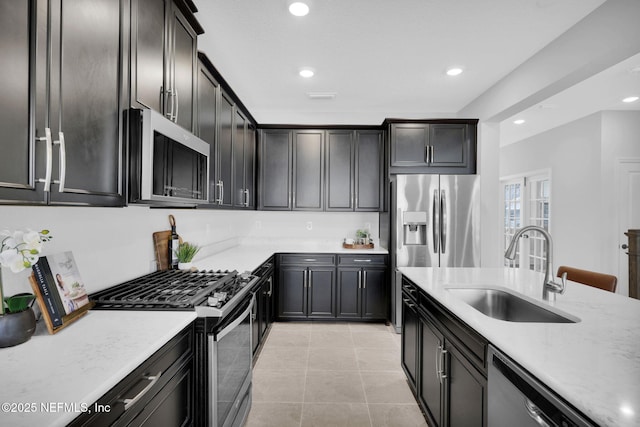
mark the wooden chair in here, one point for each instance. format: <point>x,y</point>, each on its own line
<point>606,282</point>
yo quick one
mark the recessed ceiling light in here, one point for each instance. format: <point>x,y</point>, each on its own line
<point>454,71</point>
<point>298,9</point>
<point>306,73</point>
<point>518,122</point>
<point>630,99</point>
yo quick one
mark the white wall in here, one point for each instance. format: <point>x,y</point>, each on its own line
<point>581,156</point>
<point>112,245</point>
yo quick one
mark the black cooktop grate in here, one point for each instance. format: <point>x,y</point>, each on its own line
<point>165,290</point>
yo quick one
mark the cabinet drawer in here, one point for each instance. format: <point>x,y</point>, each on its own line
<point>308,259</point>
<point>362,260</point>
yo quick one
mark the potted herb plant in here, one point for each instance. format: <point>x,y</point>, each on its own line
<point>18,251</point>
<point>185,252</point>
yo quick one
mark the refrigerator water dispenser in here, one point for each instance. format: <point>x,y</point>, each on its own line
<point>415,228</point>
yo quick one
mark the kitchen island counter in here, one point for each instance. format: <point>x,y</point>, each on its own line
<point>48,380</point>
<point>593,364</point>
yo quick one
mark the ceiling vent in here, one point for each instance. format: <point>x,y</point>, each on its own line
<point>321,95</point>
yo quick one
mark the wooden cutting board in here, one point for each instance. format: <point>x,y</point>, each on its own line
<point>161,246</point>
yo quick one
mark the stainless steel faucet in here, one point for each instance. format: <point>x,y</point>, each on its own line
<point>549,284</point>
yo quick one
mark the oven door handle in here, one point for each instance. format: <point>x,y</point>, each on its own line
<point>237,321</point>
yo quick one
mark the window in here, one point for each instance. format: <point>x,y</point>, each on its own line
<point>527,202</point>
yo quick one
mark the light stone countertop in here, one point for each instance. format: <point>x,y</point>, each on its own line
<point>593,364</point>
<point>80,363</point>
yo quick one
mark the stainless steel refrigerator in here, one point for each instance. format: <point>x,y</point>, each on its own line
<point>435,222</point>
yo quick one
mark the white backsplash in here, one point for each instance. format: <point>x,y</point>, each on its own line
<point>112,245</point>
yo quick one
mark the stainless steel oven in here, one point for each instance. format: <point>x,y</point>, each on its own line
<point>230,359</point>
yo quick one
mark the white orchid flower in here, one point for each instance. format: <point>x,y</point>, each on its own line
<point>13,259</point>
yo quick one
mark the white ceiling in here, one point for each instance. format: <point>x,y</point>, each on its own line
<point>382,58</point>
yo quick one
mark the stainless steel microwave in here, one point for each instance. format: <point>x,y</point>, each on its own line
<point>168,164</point>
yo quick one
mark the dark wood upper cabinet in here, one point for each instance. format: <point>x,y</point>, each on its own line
<point>244,147</point>
<point>164,59</point>
<point>224,154</point>
<point>340,170</point>
<point>69,101</point>
<point>369,160</point>
<point>275,169</point>
<point>207,109</point>
<point>308,170</point>
<point>433,146</point>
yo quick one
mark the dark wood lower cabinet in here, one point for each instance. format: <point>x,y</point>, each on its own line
<point>444,362</point>
<point>161,391</point>
<point>332,286</point>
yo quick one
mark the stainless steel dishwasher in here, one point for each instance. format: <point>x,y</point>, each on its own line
<point>516,398</point>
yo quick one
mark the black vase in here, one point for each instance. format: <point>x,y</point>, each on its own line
<point>16,328</point>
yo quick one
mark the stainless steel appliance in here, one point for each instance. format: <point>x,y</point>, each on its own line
<point>223,302</point>
<point>515,398</point>
<point>168,164</point>
<point>435,222</point>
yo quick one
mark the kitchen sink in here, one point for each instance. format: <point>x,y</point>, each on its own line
<point>508,306</point>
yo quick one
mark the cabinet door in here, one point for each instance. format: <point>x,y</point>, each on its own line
<point>308,170</point>
<point>183,68</point>
<point>349,292</point>
<point>374,293</point>
<point>225,151</point>
<point>410,331</point>
<point>340,171</point>
<point>467,392</point>
<point>450,144</point>
<point>369,171</point>
<point>148,26</point>
<point>275,169</point>
<point>409,144</point>
<point>85,108</point>
<point>18,161</point>
<point>239,160</point>
<point>250,166</point>
<point>432,360</point>
<point>206,122</point>
<point>321,289</point>
<point>292,292</point>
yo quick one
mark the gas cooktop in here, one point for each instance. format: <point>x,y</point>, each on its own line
<point>175,290</point>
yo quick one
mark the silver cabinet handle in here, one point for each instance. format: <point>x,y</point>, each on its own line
<point>128,403</point>
<point>310,259</point>
<point>443,221</point>
<point>220,185</point>
<point>310,279</point>
<point>443,356</point>
<point>435,223</point>
<point>364,279</point>
<point>535,413</point>
<point>177,101</point>
<point>361,260</point>
<point>169,104</point>
<point>408,303</point>
<point>431,155</point>
<point>246,197</point>
<point>427,153</point>
<point>49,147</point>
<point>359,279</point>
<point>63,162</point>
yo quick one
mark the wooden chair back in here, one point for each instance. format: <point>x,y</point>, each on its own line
<point>606,282</point>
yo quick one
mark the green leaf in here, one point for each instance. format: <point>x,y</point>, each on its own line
<point>45,232</point>
<point>34,252</point>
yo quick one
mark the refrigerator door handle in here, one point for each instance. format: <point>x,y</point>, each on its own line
<point>443,221</point>
<point>435,222</point>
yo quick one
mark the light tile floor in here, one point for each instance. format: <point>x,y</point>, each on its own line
<point>331,374</point>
